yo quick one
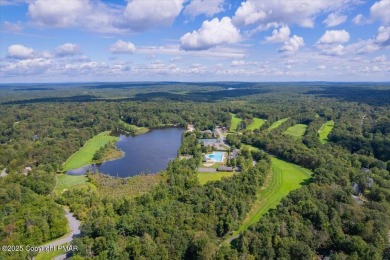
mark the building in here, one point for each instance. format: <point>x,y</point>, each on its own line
<point>190,128</point>
<point>234,153</point>
<point>225,169</point>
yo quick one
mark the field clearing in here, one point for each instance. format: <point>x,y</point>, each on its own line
<point>296,131</point>
<point>129,187</point>
<point>325,130</point>
<point>249,147</point>
<point>257,123</point>
<point>235,123</point>
<point>67,182</point>
<point>277,123</point>
<point>205,177</point>
<point>285,178</point>
<point>85,154</point>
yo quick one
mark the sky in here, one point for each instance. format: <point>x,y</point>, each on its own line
<point>194,40</point>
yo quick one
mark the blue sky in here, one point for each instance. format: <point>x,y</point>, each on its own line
<point>194,40</point>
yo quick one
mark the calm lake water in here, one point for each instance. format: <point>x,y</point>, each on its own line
<point>146,153</point>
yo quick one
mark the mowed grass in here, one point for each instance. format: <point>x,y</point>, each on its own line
<point>277,123</point>
<point>257,123</point>
<point>296,131</point>
<point>235,122</point>
<point>285,178</point>
<point>129,187</point>
<point>205,177</point>
<point>325,130</point>
<point>249,147</point>
<point>85,154</point>
<point>67,182</point>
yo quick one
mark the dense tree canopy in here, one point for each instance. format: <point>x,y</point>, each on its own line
<point>179,218</point>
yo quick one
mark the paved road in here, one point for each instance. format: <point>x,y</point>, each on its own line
<point>74,225</point>
<point>231,238</point>
<point>218,130</point>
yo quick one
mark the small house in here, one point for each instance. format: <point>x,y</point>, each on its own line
<point>26,170</point>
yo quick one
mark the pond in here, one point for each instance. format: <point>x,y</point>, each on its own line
<point>146,153</point>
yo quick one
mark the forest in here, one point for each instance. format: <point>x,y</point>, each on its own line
<point>177,217</point>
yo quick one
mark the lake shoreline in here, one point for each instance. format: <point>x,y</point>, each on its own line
<point>147,153</point>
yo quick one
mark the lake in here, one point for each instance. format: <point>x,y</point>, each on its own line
<point>146,153</point>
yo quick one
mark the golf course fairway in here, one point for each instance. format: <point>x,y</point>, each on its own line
<point>285,177</point>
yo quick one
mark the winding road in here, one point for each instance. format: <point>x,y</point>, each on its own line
<point>74,226</point>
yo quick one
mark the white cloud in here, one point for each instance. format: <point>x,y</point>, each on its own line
<point>62,14</point>
<point>248,13</point>
<point>18,51</point>
<point>211,34</point>
<point>206,7</point>
<point>237,63</point>
<point>360,20</point>
<point>321,67</point>
<point>292,45</point>
<point>280,35</point>
<point>380,59</point>
<point>28,66</point>
<point>141,14</point>
<point>122,47</point>
<point>175,59</point>
<point>67,49</point>
<point>331,41</point>
<point>381,10</point>
<point>219,52</point>
<point>334,36</point>
<point>12,27</point>
<point>331,44</point>
<point>13,2</point>
<point>383,36</point>
<point>95,15</point>
<point>300,12</point>
<point>335,19</point>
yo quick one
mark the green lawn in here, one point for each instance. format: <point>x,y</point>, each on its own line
<point>70,181</point>
<point>235,122</point>
<point>257,123</point>
<point>205,177</point>
<point>285,178</point>
<point>249,147</point>
<point>296,131</point>
<point>325,130</point>
<point>85,154</point>
<point>277,123</point>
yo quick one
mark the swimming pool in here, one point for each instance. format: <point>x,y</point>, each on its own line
<point>216,156</point>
